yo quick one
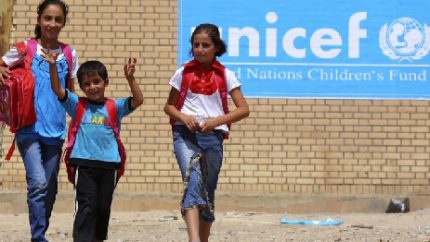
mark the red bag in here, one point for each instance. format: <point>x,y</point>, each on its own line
<point>17,93</point>
<point>74,128</point>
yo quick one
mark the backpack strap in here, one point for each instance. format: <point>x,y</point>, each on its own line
<point>31,49</point>
<point>11,149</point>
<point>221,82</point>
<point>67,51</point>
<point>187,75</point>
<point>71,137</point>
<point>21,47</point>
<point>74,126</point>
<point>79,114</point>
<point>112,113</point>
<point>27,50</point>
<point>185,85</point>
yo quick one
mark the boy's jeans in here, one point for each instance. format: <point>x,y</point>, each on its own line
<point>186,146</point>
<point>41,163</point>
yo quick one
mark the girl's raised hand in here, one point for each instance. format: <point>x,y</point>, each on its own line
<point>50,56</point>
<point>130,68</point>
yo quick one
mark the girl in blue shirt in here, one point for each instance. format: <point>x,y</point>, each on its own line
<point>40,144</point>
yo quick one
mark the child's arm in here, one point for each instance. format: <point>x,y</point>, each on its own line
<point>137,96</point>
<point>171,110</point>
<point>53,72</point>
<point>242,111</point>
<point>4,71</point>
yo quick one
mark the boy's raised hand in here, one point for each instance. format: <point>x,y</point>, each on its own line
<point>137,96</point>
<point>130,68</point>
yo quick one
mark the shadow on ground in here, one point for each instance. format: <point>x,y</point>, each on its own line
<point>15,202</point>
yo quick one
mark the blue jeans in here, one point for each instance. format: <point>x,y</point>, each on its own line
<point>207,151</point>
<point>41,163</point>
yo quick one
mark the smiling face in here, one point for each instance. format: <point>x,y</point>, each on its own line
<point>51,22</point>
<point>93,86</point>
<point>203,49</point>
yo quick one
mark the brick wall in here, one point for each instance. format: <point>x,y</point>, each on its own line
<point>286,145</point>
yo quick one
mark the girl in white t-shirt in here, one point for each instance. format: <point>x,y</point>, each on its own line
<point>197,106</point>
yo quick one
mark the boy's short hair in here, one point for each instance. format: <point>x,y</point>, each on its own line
<point>91,68</point>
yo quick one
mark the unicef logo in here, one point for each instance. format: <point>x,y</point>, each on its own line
<point>405,39</point>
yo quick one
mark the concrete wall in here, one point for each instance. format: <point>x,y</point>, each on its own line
<point>286,145</point>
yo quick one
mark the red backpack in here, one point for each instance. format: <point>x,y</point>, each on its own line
<point>17,93</point>
<point>74,128</point>
<point>187,76</point>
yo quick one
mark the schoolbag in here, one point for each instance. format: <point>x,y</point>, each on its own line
<point>74,128</point>
<point>17,93</point>
<point>187,77</point>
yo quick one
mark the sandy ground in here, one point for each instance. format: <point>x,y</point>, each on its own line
<point>167,225</point>
<point>151,217</point>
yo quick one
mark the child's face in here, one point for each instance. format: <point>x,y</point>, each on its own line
<point>94,87</point>
<point>204,49</point>
<point>51,21</point>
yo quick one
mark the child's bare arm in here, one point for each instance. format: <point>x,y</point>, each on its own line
<point>241,111</point>
<point>137,96</point>
<point>171,110</point>
<point>4,71</point>
<point>53,72</point>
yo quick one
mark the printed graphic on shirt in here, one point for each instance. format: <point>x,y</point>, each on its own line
<point>96,119</point>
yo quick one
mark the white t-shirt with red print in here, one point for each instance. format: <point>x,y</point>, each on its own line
<point>200,105</point>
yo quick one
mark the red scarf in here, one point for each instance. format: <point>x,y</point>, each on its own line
<point>203,82</point>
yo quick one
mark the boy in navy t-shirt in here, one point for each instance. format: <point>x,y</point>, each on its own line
<point>95,151</point>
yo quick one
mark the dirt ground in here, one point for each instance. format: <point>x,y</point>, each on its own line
<point>246,223</point>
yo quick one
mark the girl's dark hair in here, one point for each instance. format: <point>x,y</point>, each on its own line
<point>212,31</point>
<point>42,6</point>
<point>91,68</point>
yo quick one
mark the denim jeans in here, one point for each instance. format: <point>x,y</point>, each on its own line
<point>187,146</point>
<point>41,163</point>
